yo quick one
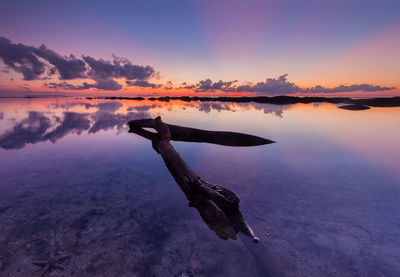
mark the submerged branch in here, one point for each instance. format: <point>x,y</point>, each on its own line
<point>217,205</point>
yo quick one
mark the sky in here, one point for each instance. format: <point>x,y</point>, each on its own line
<point>219,47</point>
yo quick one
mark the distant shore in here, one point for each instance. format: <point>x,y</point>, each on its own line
<point>278,100</point>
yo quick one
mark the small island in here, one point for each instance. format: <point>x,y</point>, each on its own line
<point>355,107</point>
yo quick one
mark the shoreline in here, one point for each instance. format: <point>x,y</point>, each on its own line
<point>278,100</point>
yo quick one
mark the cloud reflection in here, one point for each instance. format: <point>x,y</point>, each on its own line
<point>71,123</point>
<point>29,130</point>
<point>40,127</point>
<point>208,106</point>
<point>266,108</point>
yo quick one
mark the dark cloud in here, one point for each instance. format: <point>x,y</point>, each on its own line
<point>210,86</point>
<point>103,84</point>
<point>33,62</point>
<point>344,88</point>
<point>168,85</point>
<point>271,86</point>
<point>279,85</point>
<point>188,87</point>
<point>1,115</point>
<point>106,84</point>
<point>119,68</point>
<point>142,83</point>
<point>68,67</point>
<point>22,59</point>
<point>25,59</point>
<point>64,85</point>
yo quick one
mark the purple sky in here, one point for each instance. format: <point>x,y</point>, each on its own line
<point>329,46</point>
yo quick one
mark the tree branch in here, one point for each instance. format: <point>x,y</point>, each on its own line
<point>217,205</point>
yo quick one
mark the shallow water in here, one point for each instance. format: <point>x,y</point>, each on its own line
<point>324,199</point>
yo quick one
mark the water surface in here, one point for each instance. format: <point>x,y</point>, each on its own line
<point>324,200</point>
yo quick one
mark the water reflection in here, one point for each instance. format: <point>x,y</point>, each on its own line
<point>234,107</point>
<point>39,126</point>
<point>324,200</point>
<point>208,106</point>
<point>35,128</point>
<point>143,107</point>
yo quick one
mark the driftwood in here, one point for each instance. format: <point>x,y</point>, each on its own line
<point>217,205</point>
<point>179,133</point>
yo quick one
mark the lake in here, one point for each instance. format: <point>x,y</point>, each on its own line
<point>80,196</point>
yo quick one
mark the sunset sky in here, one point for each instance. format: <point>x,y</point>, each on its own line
<point>128,48</point>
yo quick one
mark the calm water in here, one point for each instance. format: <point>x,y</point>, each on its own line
<point>75,185</point>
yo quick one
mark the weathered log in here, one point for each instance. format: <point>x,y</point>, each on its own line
<point>217,205</point>
<point>179,133</point>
